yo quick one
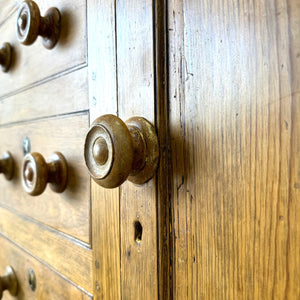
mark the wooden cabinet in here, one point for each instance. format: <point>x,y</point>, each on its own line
<point>219,220</point>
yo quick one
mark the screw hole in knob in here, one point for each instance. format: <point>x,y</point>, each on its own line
<point>36,173</point>
<point>115,151</point>
<point>30,24</point>
<point>5,56</point>
<point>32,279</point>
<point>9,282</point>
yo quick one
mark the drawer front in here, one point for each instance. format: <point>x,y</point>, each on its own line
<point>55,97</point>
<point>68,212</point>
<point>6,9</point>
<point>34,64</point>
<point>49,285</point>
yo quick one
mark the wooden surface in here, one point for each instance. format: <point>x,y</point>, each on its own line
<point>35,64</point>
<point>121,78</point>
<point>103,100</point>
<point>135,73</point>
<point>47,99</point>
<point>7,8</point>
<point>58,251</point>
<point>49,284</point>
<point>234,125</point>
<point>68,212</point>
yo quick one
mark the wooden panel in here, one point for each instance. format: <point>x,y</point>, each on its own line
<point>103,100</point>
<point>48,99</point>
<point>49,284</point>
<point>135,73</point>
<point>6,9</point>
<point>164,217</point>
<point>68,212</point>
<point>34,63</point>
<point>58,251</point>
<point>234,122</point>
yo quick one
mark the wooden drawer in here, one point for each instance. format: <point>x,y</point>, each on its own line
<point>55,97</point>
<point>6,9</point>
<point>34,64</point>
<point>68,212</point>
<point>49,285</point>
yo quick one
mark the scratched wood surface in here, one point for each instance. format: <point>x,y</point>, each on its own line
<point>121,78</point>
<point>103,100</point>
<point>37,99</point>
<point>58,251</point>
<point>69,211</point>
<point>49,284</point>
<point>234,123</point>
<point>138,204</point>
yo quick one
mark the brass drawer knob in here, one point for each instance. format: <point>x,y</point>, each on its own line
<point>9,282</point>
<point>5,56</point>
<point>7,165</point>
<point>115,151</point>
<point>30,24</point>
<point>36,173</point>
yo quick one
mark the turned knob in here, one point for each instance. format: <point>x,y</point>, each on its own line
<point>115,151</point>
<point>30,24</point>
<point>9,282</point>
<point>36,172</point>
<point>5,57</point>
<point>7,165</point>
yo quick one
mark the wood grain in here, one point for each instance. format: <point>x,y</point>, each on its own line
<point>50,285</point>
<point>234,107</point>
<point>103,100</point>
<point>34,103</point>
<point>32,64</point>
<point>68,212</point>
<point>165,165</point>
<point>135,73</point>
<point>7,8</point>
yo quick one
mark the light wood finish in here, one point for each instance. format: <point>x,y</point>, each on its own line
<point>68,212</point>
<point>34,103</point>
<point>132,263</point>
<point>59,251</point>
<point>50,285</point>
<point>234,124</point>
<point>69,53</point>
<point>103,100</point>
<point>7,8</point>
<point>135,73</point>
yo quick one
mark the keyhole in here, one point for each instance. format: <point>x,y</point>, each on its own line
<point>138,231</point>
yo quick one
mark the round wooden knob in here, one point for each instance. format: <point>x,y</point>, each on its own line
<point>30,24</point>
<point>36,172</point>
<point>7,165</point>
<point>9,282</point>
<point>115,151</point>
<point>5,56</point>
